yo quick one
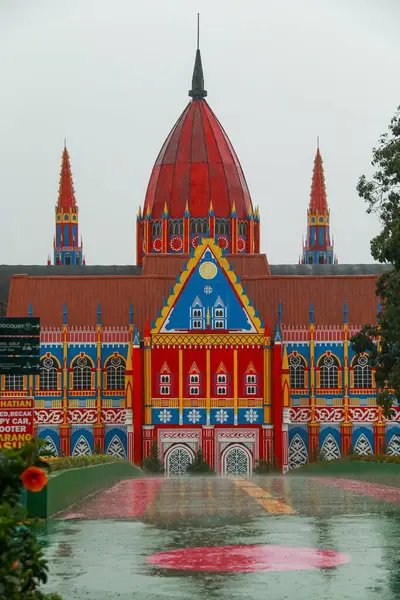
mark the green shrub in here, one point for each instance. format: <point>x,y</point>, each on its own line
<point>263,467</point>
<point>22,565</point>
<point>153,464</point>
<point>73,462</point>
<point>200,466</point>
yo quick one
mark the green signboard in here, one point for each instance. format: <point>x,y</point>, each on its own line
<point>19,345</point>
<point>12,326</point>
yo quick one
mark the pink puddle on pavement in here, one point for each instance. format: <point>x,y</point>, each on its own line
<point>126,499</point>
<point>380,492</point>
<point>248,558</point>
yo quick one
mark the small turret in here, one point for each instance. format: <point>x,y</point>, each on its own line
<point>67,250</point>
<point>318,248</point>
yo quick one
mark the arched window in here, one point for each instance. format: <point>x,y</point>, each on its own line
<point>164,380</point>
<point>194,380</point>
<point>321,259</point>
<point>115,373</point>
<point>242,228</point>
<point>222,226</point>
<point>176,226</point>
<point>156,228</point>
<point>197,320</point>
<point>221,381</point>
<point>48,378</point>
<point>310,260</point>
<point>68,259</point>
<point>82,373</point>
<point>199,225</point>
<point>297,367</point>
<point>329,372</point>
<point>362,372</point>
<point>78,260</point>
<point>219,320</point>
<point>14,383</point>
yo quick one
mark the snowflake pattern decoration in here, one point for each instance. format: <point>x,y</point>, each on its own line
<point>165,416</point>
<point>221,416</point>
<point>194,416</point>
<point>251,416</point>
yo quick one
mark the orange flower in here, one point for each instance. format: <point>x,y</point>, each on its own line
<point>15,565</point>
<point>34,479</point>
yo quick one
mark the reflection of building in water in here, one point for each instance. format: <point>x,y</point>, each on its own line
<point>202,344</point>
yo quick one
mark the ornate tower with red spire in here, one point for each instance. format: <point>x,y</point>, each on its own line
<point>67,250</point>
<point>197,187</point>
<point>318,248</point>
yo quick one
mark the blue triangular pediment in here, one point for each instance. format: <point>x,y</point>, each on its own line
<point>208,287</point>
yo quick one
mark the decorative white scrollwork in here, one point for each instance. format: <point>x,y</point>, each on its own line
<point>328,414</point>
<point>85,415</point>
<point>48,416</point>
<point>368,413</point>
<point>300,415</point>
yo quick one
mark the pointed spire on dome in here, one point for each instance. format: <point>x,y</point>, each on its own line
<point>318,201</point>
<point>198,92</point>
<point>66,193</point>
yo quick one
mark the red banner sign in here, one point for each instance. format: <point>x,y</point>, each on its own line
<point>16,422</point>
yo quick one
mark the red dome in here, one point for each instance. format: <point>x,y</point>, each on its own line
<point>197,165</point>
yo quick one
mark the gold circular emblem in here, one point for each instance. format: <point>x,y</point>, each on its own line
<point>208,270</point>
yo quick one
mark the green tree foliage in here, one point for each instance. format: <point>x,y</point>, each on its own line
<point>153,464</point>
<point>382,195</point>
<point>200,466</point>
<point>22,565</point>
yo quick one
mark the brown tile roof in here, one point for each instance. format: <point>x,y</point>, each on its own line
<point>82,294</point>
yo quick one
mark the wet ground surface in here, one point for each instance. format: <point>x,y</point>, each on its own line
<point>281,538</point>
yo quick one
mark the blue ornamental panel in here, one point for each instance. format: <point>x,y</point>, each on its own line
<point>51,437</point>
<point>362,439</point>
<point>392,439</point>
<point>330,442</point>
<point>81,441</point>
<point>194,416</point>
<point>298,445</point>
<point>250,416</point>
<point>165,416</point>
<point>221,416</point>
<point>115,442</point>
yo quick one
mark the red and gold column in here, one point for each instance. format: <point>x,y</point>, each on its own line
<point>65,428</point>
<point>208,445</point>
<point>164,230</point>
<point>234,231</point>
<point>98,429</point>
<point>186,230</point>
<point>267,374</point>
<point>211,219</point>
<point>147,373</point>
<point>379,433</point>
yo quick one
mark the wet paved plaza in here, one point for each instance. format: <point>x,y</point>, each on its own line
<point>284,538</point>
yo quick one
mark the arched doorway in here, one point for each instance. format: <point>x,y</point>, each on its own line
<point>237,461</point>
<point>177,460</point>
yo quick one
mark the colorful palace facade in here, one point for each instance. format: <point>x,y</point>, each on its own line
<point>202,344</point>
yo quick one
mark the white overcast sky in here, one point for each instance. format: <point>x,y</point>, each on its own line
<point>112,77</point>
